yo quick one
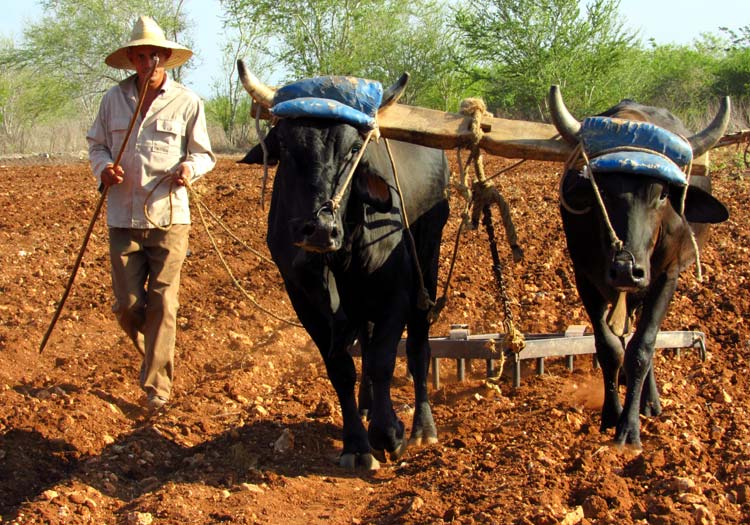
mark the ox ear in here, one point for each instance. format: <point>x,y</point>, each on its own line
<point>255,155</point>
<point>372,189</point>
<point>702,207</point>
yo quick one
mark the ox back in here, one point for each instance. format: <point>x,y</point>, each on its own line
<point>657,247</point>
<point>350,271</point>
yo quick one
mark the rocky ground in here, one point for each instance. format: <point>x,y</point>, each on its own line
<point>252,432</point>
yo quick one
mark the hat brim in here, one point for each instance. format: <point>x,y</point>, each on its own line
<point>119,59</point>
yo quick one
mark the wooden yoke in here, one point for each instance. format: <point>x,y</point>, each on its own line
<point>506,138</point>
<point>515,139</point>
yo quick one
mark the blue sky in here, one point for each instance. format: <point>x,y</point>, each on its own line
<point>667,21</point>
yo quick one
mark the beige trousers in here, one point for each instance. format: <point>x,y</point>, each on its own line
<point>146,267</point>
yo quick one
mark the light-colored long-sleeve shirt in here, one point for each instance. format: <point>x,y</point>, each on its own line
<point>173,131</point>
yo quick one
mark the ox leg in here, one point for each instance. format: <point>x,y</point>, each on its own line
<point>639,361</point>
<point>423,430</point>
<point>365,392</point>
<point>609,354</point>
<point>342,373</point>
<point>385,431</point>
<point>609,351</point>
<point>418,351</point>
<point>332,335</point>
<point>650,400</point>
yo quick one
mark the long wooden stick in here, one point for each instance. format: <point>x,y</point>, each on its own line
<point>98,209</point>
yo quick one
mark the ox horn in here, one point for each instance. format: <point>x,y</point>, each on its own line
<point>393,93</point>
<point>262,94</point>
<point>566,124</point>
<point>706,139</point>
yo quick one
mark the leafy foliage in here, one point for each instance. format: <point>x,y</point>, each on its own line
<point>507,52</point>
<point>518,49</point>
<point>377,39</point>
<point>59,70</point>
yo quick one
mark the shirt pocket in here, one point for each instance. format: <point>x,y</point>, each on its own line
<point>169,136</point>
<point>119,131</point>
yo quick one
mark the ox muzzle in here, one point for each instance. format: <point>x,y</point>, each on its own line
<point>321,233</point>
<point>625,274</point>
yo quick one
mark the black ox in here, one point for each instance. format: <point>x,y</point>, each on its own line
<point>349,270</point>
<point>656,247</point>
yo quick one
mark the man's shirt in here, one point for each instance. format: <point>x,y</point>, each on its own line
<point>173,131</point>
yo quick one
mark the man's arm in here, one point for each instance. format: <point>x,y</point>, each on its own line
<point>200,158</point>
<point>100,157</point>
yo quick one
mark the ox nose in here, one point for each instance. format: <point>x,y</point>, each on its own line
<point>321,233</point>
<point>625,273</point>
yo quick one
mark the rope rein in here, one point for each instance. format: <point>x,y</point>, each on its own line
<point>224,263</point>
<point>171,208</point>
<point>264,149</point>
<point>200,205</point>
<point>335,202</point>
<point>423,298</point>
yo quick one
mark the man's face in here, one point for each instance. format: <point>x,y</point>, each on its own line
<point>142,58</point>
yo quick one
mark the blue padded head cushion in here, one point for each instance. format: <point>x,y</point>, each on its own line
<point>351,100</point>
<point>639,163</point>
<point>670,154</point>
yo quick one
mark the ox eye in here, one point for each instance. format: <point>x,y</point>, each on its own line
<point>664,193</point>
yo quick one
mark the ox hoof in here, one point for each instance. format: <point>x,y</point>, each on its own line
<point>628,447</point>
<point>422,440</point>
<point>352,461</point>
<point>628,439</point>
<point>392,455</point>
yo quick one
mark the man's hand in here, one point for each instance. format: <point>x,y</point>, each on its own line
<point>112,175</point>
<point>183,173</point>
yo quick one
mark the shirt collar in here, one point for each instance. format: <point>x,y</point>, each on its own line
<point>130,85</point>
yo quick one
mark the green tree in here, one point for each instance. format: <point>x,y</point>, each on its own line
<point>516,49</point>
<point>377,39</point>
<point>230,107</point>
<point>57,70</point>
<point>733,73</point>
<point>678,78</point>
<point>28,99</point>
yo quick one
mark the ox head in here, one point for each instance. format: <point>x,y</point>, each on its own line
<point>315,157</point>
<point>641,186</point>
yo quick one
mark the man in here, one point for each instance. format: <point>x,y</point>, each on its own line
<point>147,204</point>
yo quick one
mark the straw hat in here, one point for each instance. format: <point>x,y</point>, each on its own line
<point>146,32</point>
